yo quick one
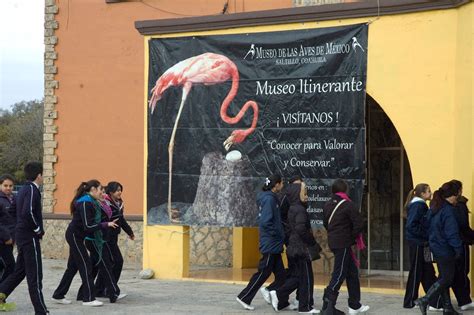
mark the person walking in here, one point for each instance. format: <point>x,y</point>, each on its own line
<point>300,240</point>
<point>416,233</point>
<point>344,225</point>
<point>28,232</point>
<point>271,237</point>
<point>445,243</point>
<point>461,283</point>
<point>7,225</point>
<point>113,198</point>
<point>84,224</point>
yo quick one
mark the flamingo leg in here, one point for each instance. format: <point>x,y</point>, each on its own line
<point>186,89</point>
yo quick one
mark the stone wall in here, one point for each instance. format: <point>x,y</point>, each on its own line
<point>54,243</point>
<point>209,246</point>
<point>50,100</point>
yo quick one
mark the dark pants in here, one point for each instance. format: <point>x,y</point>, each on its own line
<point>101,262</point>
<point>268,263</point>
<point>446,268</point>
<point>345,269</point>
<point>7,260</point>
<point>111,247</point>
<point>461,284</point>
<point>420,272</point>
<point>300,278</point>
<point>78,260</point>
<point>29,264</point>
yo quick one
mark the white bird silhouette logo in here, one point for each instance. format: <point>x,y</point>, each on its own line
<point>355,44</point>
<point>251,51</point>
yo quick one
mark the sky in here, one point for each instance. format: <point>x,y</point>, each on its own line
<point>21,51</point>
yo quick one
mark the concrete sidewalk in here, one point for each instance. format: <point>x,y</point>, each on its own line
<point>179,297</point>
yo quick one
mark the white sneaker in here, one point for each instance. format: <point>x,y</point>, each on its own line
<point>434,309</point>
<point>274,299</point>
<point>294,305</point>
<point>244,305</point>
<point>313,311</point>
<point>93,303</point>
<point>266,295</point>
<point>61,301</point>
<point>362,309</point>
<point>466,307</point>
<point>121,296</point>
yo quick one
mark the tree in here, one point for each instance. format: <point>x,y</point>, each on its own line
<point>21,137</point>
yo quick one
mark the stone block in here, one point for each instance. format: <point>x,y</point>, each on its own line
<point>48,62</point>
<point>49,3</point>
<point>49,48</point>
<point>50,69</point>
<point>49,106</point>
<point>51,24</point>
<point>48,32</point>
<point>50,158</point>
<point>48,136</point>
<point>49,17</point>
<point>52,84</point>
<point>51,99</point>
<point>49,77</point>
<point>50,114</point>
<point>50,129</point>
<point>50,144</point>
<point>51,55</point>
<point>48,173</point>
<point>51,40</point>
<point>47,208</point>
<point>53,9</point>
<point>48,92</point>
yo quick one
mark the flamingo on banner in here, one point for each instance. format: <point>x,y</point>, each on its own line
<point>207,69</point>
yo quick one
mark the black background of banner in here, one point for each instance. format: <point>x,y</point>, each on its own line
<point>201,129</point>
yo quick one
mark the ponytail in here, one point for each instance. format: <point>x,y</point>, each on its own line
<point>415,192</point>
<point>445,191</point>
<point>83,188</point>
<point>271,182</point>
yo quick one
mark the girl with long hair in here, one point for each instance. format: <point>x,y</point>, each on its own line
<point>445,244</point>
<point>113,198</point>
<point>416,234</point>
<point>271,237</point>
<point>85,226</point>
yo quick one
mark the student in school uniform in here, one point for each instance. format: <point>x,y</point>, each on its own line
<point>462,284</point>
<point>28,232</point>
<point>300,240</point>
<point>344,224</point>
<point>113,198</point>
<point>416,233</point>
<point>271,237</point>
<point>445,244</point>
<point>85,226</point>
<point>284,208</point>
<point>7,225</point>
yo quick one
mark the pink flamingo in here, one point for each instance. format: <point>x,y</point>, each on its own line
<point>207,69</point>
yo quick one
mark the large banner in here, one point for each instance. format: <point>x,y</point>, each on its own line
<point>226,111</point>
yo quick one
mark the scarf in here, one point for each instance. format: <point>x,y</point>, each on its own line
<point>98,239</point>
<point>105,205</point>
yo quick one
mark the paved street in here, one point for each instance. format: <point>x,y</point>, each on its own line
<point>178,297</point>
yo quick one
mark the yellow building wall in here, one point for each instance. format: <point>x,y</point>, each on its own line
<point>420,73</point>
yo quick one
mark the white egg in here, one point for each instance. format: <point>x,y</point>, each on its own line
<point>233,156</point>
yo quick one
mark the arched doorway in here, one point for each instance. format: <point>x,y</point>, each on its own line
<point>388,181</point>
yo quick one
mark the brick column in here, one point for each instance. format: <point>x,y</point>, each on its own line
<point>50,100</point>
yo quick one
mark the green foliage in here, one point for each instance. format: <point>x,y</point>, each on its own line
<point>21,137</point>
